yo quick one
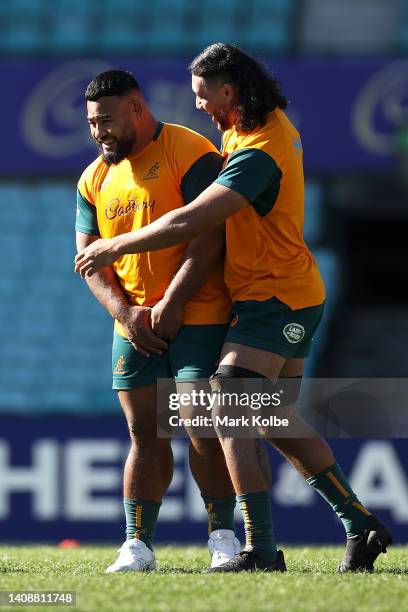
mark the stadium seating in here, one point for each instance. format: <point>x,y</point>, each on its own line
<point>55,349</point>
<point>74,27</point>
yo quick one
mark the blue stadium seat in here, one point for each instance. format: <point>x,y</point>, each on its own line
<point>122,37</point>
<point>266,8</point>
<point>23,37</point>
<point>269,22</point>
<point>70,34</point>
<point>25,9</point>
<point>76,7</point>
<point>271,34</point>
<point>123,9</point>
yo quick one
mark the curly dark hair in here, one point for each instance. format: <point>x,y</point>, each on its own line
<point>111,83</point>
<point>258,92</point>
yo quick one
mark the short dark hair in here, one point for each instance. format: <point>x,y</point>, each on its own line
<point>258,92</point>
<point>111,83</point>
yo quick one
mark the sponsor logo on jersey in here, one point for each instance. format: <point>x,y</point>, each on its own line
<point>116,209</point>
<point>153,172</point>
<point>294,332</point>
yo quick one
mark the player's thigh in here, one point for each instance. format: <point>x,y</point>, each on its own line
<point>131,369</point>
<point>194,357</point>
<point>134,378</point>
<point>140,409</point>
<point>265,335</point>
<point>195,353</point>
<point>255,360</point>
<point>293,368</point>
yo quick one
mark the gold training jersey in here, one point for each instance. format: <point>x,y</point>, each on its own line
<point>172,170</point>
<point>266,254</point>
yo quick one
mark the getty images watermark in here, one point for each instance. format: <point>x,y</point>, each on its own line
<point>219,403</point>
<point>233,407</point>
<point>287,408</point>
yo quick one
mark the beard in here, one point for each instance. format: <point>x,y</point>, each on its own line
<point>223,118</point>
<point>123,149</point>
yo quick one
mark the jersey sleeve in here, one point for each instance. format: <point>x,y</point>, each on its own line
<point>86,218</point>
<point>255,175</point>
<point>87,190</point>
<point>200,175</point>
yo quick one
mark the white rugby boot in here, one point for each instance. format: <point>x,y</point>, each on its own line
<point>134,556</point>
<point>223,546</point>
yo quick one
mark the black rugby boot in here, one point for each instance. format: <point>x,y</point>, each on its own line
<point>362,551</point>
<point>249,561</point>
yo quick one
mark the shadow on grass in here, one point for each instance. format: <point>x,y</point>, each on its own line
<point>177,570</point>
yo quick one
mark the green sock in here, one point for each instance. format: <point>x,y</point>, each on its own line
<point>141,519</point>
<point>220,512</point>
<point>256,508</point>
<point>334,487</point>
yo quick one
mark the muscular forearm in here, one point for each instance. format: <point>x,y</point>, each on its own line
<point>209,210</point>
<point>172,228</point>
<point>201,258</point>
<point>108,292</point>
<point>104,284</point>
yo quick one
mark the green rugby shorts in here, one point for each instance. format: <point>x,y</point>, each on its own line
<point>192,355</point>
<point>273,326</point>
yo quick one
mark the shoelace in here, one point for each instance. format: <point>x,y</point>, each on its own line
<point>133,548</point>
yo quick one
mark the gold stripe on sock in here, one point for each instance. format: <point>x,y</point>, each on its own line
<point>210,510</point>
<point>138,518</point>
<point>361,507</point>
<point>247,520</point>
<point>337,484</point>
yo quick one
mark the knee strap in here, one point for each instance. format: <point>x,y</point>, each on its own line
<point>225,377</point>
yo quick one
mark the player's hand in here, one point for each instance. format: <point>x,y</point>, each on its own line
<point>167,318</point>
<point>137,326</point>
<point>98,255</point>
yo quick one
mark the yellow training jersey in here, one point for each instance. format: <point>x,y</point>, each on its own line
<point>171,171</point>
<point>266,254</point>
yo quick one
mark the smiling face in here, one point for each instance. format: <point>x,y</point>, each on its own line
<point>113,121</point>
<point>217,99</point>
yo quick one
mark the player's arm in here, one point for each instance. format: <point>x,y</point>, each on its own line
<point>106,287</point>
<point>209,209</point>
<point>202,254</point>
<point>134,319</point>
<point>248,174</point>
<point>200,260</point>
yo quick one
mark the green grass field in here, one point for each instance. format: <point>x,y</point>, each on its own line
<point>180,583</point>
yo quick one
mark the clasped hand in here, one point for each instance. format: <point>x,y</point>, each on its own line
<point>96,256</point>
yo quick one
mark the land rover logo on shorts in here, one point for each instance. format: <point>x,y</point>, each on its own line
<point>294,332</point>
